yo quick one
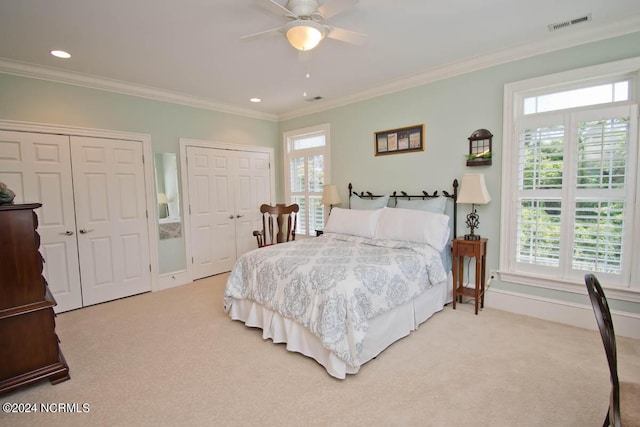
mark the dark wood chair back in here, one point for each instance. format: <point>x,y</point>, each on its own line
<point>605,324</point>
<point>274,229</point>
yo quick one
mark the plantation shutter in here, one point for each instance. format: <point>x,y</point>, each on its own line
<point>540,167</point>
<point>572,209</point>
<point>306,168</point>
<point>601,171</point>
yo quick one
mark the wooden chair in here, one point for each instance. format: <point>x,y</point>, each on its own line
<point>624,401</point>
<point>266,236</point>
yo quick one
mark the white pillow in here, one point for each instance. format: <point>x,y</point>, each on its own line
<point>366,204</point>
<point>353,221</point>
<point>435,204</point>
<point>413,226</point>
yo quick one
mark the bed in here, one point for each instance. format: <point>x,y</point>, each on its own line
<point>379,270</point>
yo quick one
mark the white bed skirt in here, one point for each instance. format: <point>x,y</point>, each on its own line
<point>383,330</point>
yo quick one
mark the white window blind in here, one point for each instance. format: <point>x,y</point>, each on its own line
<point>306,169</point>
<point>602,151</point>
<point>540,166</point>
<point>541,158</point>
<point>539,231</point>
<point>598,236</point>
<point>570,181</point>
<point>600,197</point>
<point>570,212</point>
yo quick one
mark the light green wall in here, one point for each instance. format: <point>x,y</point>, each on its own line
<point>39,101</point>
<point>451,109</point>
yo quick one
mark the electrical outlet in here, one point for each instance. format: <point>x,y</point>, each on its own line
<point>493,274</point>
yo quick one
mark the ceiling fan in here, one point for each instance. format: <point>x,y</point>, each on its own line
<point>307,23</point>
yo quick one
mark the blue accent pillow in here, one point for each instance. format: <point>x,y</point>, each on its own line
<point>369,204</point>
<point>435,204</point>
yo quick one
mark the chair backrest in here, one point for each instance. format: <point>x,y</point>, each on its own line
<point>283,229</point>
<point>605,324</point>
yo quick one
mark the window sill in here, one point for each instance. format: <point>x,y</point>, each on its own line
<point>576,287</point>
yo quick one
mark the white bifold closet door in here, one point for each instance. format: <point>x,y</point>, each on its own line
<point>226,189</point>
<point>113,242</point>
<point>92,222</point>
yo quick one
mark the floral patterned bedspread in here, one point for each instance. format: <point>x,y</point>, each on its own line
<point>334,283</point>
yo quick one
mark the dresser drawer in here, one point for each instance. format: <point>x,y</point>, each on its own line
<point>20,355</point>
<point>466,249</point>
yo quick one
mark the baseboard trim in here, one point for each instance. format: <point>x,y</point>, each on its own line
<point>171,280</point>
<point>625,324</point>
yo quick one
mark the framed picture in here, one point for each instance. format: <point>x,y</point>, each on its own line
<point>401,140</point>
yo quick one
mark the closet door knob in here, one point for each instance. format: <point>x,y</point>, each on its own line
<point>67,233</point>
<point>230,216</point>
<point>84,231</point>
<point>239,216</point>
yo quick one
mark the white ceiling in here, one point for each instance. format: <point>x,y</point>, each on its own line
<point>190,50</point>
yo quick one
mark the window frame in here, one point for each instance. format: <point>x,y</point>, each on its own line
<point>288,154</point>
<point>513,115</point>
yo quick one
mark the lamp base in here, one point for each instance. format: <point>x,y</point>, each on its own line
<point>471,237</point>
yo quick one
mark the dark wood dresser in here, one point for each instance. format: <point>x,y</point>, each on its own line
<point>29,349</point>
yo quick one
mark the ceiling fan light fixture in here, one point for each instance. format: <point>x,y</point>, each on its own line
<point>304,34</point>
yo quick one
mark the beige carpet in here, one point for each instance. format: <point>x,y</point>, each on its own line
<point>173,358</point>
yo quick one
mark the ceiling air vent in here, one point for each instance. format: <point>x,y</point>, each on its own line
<point>564,24</point>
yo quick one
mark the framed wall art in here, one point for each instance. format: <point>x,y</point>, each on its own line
<point>402,140</point>
<point>480,148</point>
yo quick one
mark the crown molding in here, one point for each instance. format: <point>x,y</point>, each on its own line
<point>559,41</point>
<point>24,69</point>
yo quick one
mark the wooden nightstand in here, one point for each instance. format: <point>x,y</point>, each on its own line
<point>469,248</point>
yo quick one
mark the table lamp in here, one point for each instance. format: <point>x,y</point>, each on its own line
<point>163,200</point>
<point>473,190</point>
<point>330,196</point>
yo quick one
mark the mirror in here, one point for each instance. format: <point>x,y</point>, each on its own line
<point>169,218</point>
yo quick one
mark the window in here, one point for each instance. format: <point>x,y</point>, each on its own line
<point>306,161</point>
<point>570,179</point>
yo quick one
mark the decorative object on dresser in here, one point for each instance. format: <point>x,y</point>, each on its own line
<point>6,194</point>
<point>474,249</point>
<point>480,148</point>
<point>473,190</point>
<point>29,349</point>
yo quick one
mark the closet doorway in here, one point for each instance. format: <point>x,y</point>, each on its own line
<point>224,185</point>
<point>93,225</point>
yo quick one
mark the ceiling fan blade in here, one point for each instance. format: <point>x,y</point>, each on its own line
<point>277,8</point>
<point>347,36</point>
<point>261,33</point>
<point>333,7</point>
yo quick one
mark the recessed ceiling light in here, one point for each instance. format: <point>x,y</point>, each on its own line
<point>60,54</point>
<point>255,100</point>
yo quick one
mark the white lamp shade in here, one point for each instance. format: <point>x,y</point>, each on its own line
<point>304,35</point>
<point>162,198</point>
<point>330,195</point>
<point>473,189</point>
